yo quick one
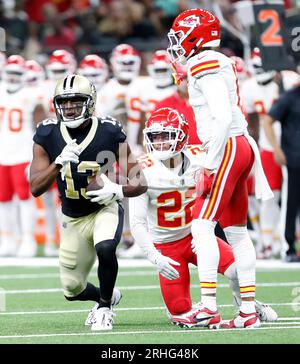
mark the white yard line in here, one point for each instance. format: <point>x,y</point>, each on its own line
<point>137,263</point>
<point>135,288</point>
<point>58,312</point>
<point>146,332</point>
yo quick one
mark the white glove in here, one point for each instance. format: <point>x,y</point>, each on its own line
<point>164,267</point>
<point>70,153</point>
<point>110,192</point>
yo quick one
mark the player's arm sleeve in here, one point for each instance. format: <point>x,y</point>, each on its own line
<point>138,210</point>
<point>281,108</point>
<point>215,91</point>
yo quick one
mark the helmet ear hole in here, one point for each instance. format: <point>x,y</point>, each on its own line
<point>192,40</point>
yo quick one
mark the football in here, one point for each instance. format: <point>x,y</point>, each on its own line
<point>97,183</point>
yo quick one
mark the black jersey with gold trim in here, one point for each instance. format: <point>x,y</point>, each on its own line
<point>99,142</point>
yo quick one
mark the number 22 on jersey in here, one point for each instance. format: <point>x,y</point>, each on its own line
<point>175,208</point>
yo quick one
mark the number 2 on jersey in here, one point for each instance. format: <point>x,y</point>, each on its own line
<point>176,199</point>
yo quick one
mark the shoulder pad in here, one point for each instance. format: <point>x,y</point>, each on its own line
<point>46,126</point>
<point>145,161</point>
<point>202,65</point>
<point>109,120</point>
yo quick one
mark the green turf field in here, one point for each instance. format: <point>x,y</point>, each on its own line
<point>33,310</point>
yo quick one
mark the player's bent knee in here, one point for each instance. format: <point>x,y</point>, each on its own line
<point>106,249</point>
<point>72,287</point>
<point>202,226</point>
<point>179,306</point>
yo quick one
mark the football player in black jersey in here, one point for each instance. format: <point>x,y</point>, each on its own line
<point>73,149</point>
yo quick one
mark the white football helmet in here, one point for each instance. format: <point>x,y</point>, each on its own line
<point>79,91</point>
<point>14,73</point>
<point>60,64</point>
<point>125,62</point>
<point>34,73</point>
<point>160,69</point>
<point>95,69</point>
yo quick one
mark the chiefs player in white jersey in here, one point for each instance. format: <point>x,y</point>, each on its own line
<point>19,113</point>
<point>145,92</point>
<point>161,218</point>
<point>230,154</point>
<point>258,94</point>
<point>95,69</point>
<point>125,63</point>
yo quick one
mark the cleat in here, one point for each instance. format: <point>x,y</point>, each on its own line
<point>197,317</point>
<point>103,319</point>
<point>116,298</point>
<point>265,312</point>
<point>242,320</point>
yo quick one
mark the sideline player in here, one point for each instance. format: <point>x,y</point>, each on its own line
<point>230,154</point>
<point>161,217</point>
<point>72,149</point>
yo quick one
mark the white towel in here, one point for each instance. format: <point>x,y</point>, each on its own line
<point>262,188</point>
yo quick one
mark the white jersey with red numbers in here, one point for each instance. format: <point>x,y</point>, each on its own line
<point>143,96</point>
<point>171,195</point>
<point>216,103</point>
<point>16,125</point>
<point>48,87</point>
<point>111,100</point>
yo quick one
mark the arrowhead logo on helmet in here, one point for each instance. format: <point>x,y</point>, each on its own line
<point>192,30</point>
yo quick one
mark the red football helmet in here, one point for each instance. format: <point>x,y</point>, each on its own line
<point>126,62</point>
<point>192,30</point>
<point>241,68</point>
<point>60,64</point>
<point>160,68</point>
<point>34,73</point>
<point>95,69</point>
<point>166,133</point>
<point>13,72</point>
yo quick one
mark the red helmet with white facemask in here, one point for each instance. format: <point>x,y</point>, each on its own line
<point>60,64</point>
<point>14,72</point>
<point>126,62</point>
<point>160,69</point>
<point>34,73</point>
<point>166,133</point>
<point>192,30</point>
<point>95,69</point>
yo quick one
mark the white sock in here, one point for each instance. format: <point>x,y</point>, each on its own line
<point>209,302</point>
<point>247,307</point>
<point>245,258</point>
<point>269,219</point>
<point>208,254</point>
<point>50,215</point>
<point>28,219</point>
<point>7,222</point>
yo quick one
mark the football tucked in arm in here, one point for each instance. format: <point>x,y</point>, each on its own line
<point>97,183</point>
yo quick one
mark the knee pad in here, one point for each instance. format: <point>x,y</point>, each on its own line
<point>72,286</point>
<point>106,248</point>
<point>179,305</point>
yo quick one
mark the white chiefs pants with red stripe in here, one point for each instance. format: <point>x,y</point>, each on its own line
<point>228,198</point>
